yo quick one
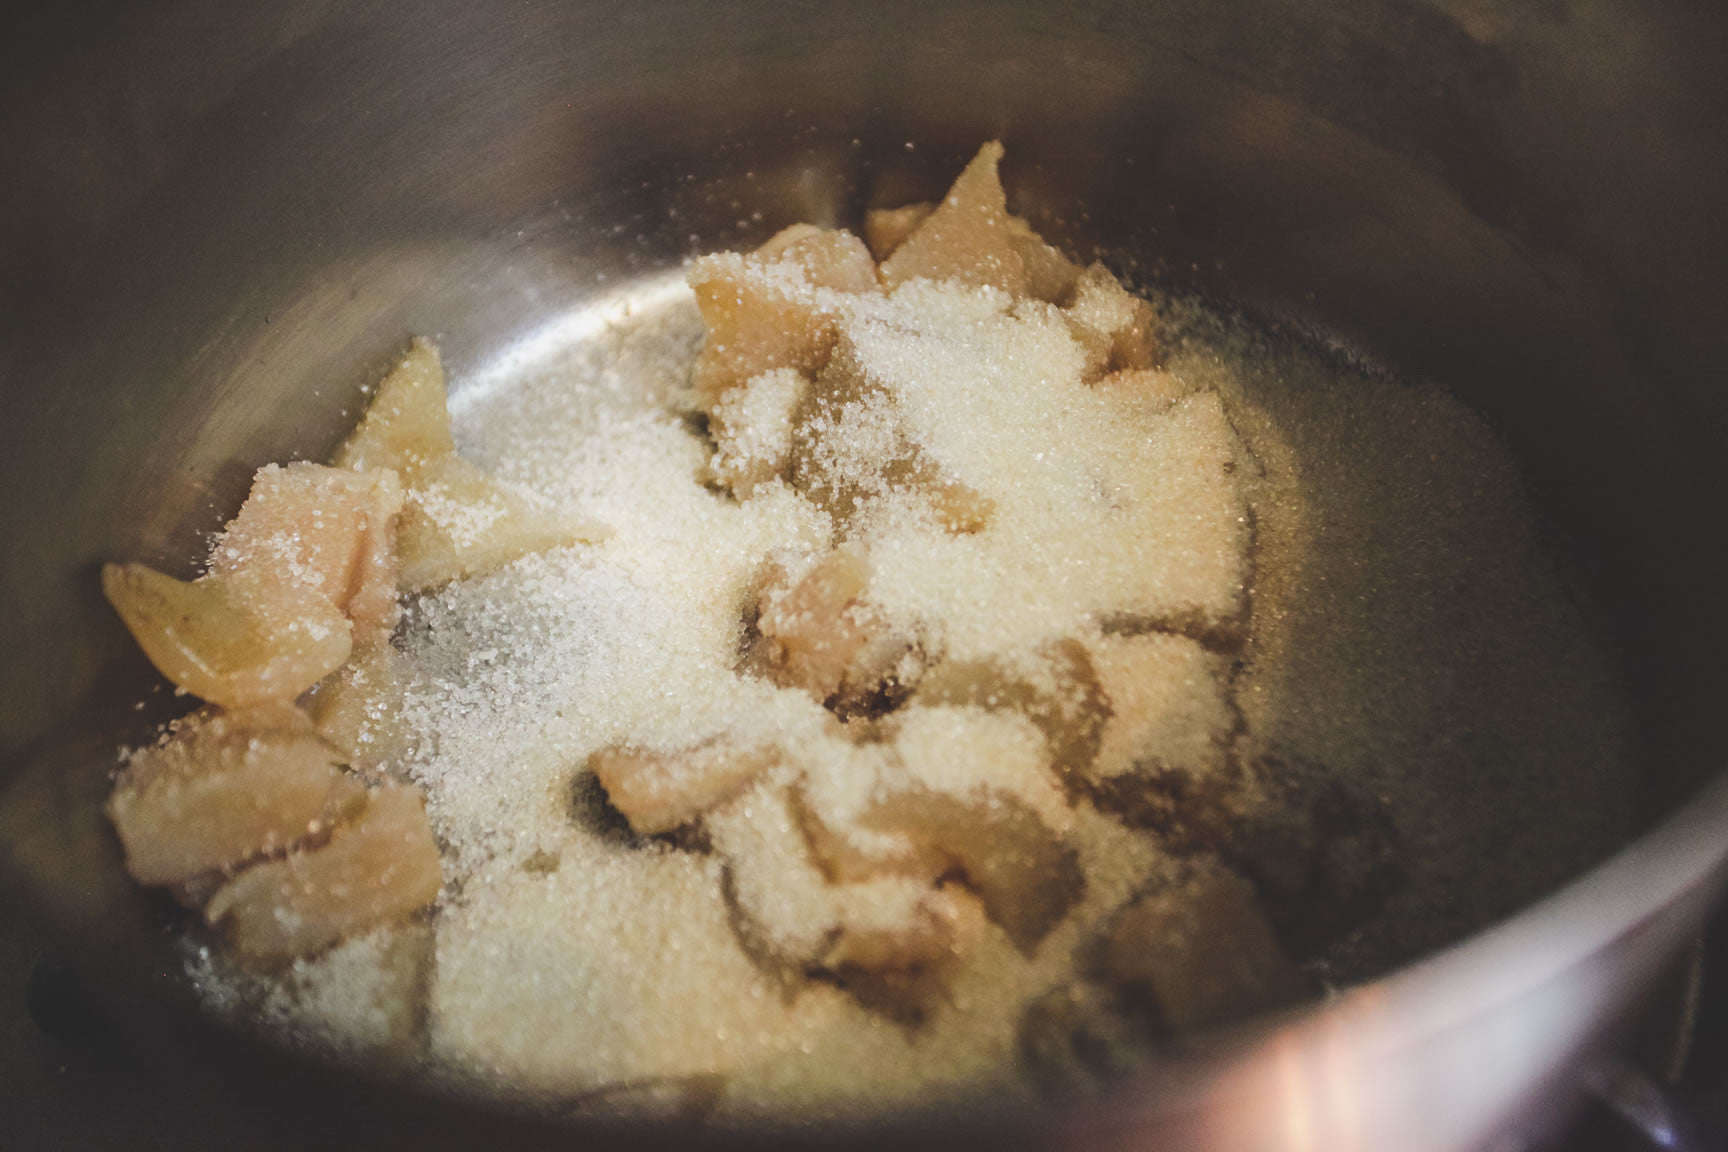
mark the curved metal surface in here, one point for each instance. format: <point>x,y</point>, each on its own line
<point>223,221</point>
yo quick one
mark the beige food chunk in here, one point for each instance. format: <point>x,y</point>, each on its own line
<point>456,520</point>
<point>967,238</point>
<point>775,308</point>
<point>819,635</point>
<point>1169,705</point>
<point>831,258</point>
<point>381,865</point>
<point>1143,392</point>
<point>407,425</point>
<point>973,788</point>
<point>215,639</point>
<point>658,791</point>
<point>1056,688</point>
<point>1116,328</point>
<point>357,709</point>
<point>752,430</point>
<point>1050,276</point>
<point>851,445</point>
<point>891,936</point>
<point>840,785</point>
<point>885,229</point>
<point>222,788</point>
<point>321,529</point>
<point>1203,950</point>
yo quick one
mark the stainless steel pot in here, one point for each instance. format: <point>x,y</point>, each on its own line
<point>216,222</point>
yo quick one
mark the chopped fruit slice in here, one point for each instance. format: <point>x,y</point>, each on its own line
<point>840,785</point>
<point>1168,703</point>
<point>214,640</point>
<point>885,229</point>
<point>223,788</point>
<point>752,430</point>
<point>831,257</point>
<point>658,791</point>
<point>819,634</point>
<point>357,709</point>
<point>1057,690</point>
<point>381,865</point>
<point>967,238</point>
<point>1115,327</point>
<point>326,530</point>
<point>303,573</point>
<point>1143,392</point>
<point>1050,276</point>
<point>850,445</point>
<point>1202,950</point>
<point>775,308</point>
<point>456,520</point>
<point>407,424</point>
<point>892,936</point>
<point>973,788</point>
<point>460,522</point>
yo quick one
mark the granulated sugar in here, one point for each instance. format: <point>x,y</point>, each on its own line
<point>1405,632</point>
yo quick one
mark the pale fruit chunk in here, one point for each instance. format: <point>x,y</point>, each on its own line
<point>325,530</point>
<point>358,710</point>
<point>891,935</point>
<point>1170,709</point>
<point>1050,276</point>
<point>381,865</point>
<point>1056,688</point>
<point>885,229</point>
<point>212,639</point>
<point>659,790</point>
<point>752,430</point>
<point>1141,393</point>
<point>1203,950</point>
<point>1116,328</point>
<point>967,238</point>
<point>456,520</point>
<point>851,445</point>
<point>840,785</point>
<point>819,634</point>
<point>301,575</point>
<point>832,258</point>
<point>407,424</point>
<point>775,308</point>
<point>974,788</point>
<point>459,522</point>
<point>222,788</point>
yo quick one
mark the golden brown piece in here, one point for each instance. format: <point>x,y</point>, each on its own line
<point>1203,950</point>
<point>658,791</point>
<point>456,521</point>
<point>379,866</point>
<point>222,788</point>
